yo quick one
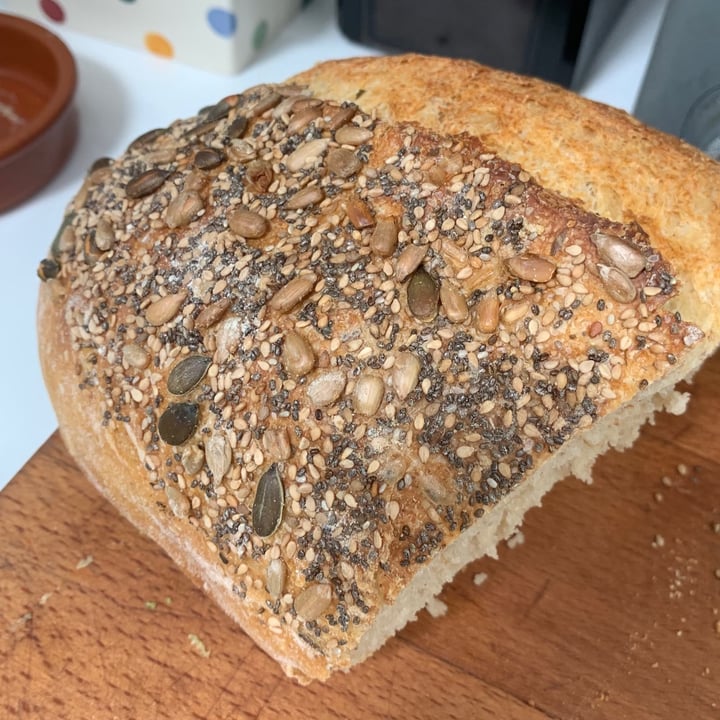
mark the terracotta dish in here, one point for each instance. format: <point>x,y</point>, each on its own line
<point>38,124</point>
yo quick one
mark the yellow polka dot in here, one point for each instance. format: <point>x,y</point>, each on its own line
<point>159,45</point>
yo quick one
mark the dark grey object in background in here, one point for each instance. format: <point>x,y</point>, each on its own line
<point>551,39</point>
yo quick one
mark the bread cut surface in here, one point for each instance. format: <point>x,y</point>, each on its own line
<point>326,346</point>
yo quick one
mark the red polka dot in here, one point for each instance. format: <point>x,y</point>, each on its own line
<point>54,10</point>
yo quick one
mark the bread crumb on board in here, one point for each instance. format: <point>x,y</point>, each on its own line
<point>436,607</point>
<point>84,562</point>
<point>480,578</point>
<point>198,645</point>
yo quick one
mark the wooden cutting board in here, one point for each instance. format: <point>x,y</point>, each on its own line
<point>610,608</point>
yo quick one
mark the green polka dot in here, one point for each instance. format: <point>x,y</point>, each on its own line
<point>260,34</point>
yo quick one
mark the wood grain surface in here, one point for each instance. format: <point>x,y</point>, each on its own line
<point>609,609</point>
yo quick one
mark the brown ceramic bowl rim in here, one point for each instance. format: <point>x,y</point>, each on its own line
<point>62,93</point>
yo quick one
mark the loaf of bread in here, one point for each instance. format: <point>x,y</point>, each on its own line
<point>327,341</point>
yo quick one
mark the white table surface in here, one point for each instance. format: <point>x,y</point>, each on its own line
<point>123,92</point>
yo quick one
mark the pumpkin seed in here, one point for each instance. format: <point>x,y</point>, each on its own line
<point>209,315</point>
<point>297,354</point>
<point>145,183</point>
<point>359,214</point>
<point>259,175</point>
<point>369,392</point>
<point>327,388</point>
<point>618,285</point>
<point>343,115</point>
<point>165,309</point>
<point>313,601</point>
<point>405,374</point>
<point>183,208</point>
<point>307,154</point>
<point>352,135</point>
<point>192,459</point>
<point>409,261</point>
<point>187,374</point>
<point>177,502</point>
<point>267,509</point>
<point>104,235</point>
<point>218,455</point>
<point>423,293</point>
<point>275,578</point>
<point>531,267</point>
<point>237,127</point>
<point>619,253</point>
<point>248,224</point>
<point>208,158</point>
<point>384,238</point>
<point>135,356</point>
<point>178,422</point>
<point>48,269</point>
<point>294,292</point>
<point>304,198</point>
<point>487,313</point>
<point>343,162</point>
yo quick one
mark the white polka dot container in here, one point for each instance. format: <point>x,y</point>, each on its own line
<point>217,35</point>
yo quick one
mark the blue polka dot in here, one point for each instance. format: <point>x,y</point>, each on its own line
<point>222,22</point>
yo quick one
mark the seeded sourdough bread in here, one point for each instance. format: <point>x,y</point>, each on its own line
<point>325,346</point>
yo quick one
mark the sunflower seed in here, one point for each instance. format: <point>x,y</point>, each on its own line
<point>531,267</point>
<point>294,292</point>
<point>237,127</point>
<point>514,311</point>
<point>409,260</point>
<point>327,388</point>
<point>147,138</point>
<point>218,455</point>
<point>275,578</point>
<point>307,154</point>
<point>259,175</point>
<point>297,355</point>
<point>423,293</point>
<point>487,313</point>
<point>343,162</point>
<point>313,601</point>
<point>267,509</point>
<point>177,502</point>
<point>135,356</point>
<point>405,374</point>
<point>435,490</point>
<point>303,118</point>
<point>104,235</point>
<point>359,214</point>
<point>267,101</point>
<point>384,238</point>
<point>304,198</point>
<point>352,135</point>
<point>218,111</point>
<point>277,443</point>
<point>100,164</point>
<point>208,158</point>
<point>342,116</point>
<point>183,208</point>
<point>178,422</point>
<point>620,253</point>
<point>209,315</point>
<point>165,309</point>
<point>369,392</point>
<point>60,241</point>
<point>187,374</point>
<point>192,459</point>
<point>248,224</point>
<point>618,285</point>
<point>145,183</point>
<point>48,269</point>
<point>454,303</point>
